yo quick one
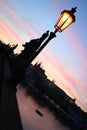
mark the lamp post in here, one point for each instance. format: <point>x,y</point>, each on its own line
<point>66,18</point>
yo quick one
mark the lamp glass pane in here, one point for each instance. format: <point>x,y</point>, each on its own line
<point>67,23</point>
<point>64,21</point>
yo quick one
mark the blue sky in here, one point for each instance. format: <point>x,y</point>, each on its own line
<point>64,58</point>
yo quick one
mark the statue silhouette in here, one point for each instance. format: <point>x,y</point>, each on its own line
<point>43,37</point>
<point>34,44</point>
<point>31,47</point>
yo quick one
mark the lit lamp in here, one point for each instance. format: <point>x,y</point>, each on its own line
<point>66,18</point>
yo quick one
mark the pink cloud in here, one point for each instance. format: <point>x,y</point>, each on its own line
<point>14,15</point>
<point>56,70</point>
<point>9,31</point>
<point>53,65</point>
<point>77,45</point>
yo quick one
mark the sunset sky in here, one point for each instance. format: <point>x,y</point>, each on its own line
<point>64,58</point>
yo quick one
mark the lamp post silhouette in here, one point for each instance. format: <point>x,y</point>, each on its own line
<point>66,18</point>
<point>35,46</point>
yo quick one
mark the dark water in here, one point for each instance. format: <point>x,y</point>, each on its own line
<point>31,120</point>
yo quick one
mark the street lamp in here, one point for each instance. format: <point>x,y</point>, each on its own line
<point>66,18</point>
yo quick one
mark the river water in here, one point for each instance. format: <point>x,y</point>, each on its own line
<point>31,120</point>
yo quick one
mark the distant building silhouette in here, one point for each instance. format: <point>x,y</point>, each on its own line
<point>49,95</point>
